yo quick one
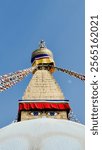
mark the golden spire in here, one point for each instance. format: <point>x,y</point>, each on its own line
<point>43,57</point>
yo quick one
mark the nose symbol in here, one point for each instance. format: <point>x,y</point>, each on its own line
<point>43,116</point>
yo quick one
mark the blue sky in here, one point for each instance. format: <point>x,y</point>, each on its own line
<point>23,24</point>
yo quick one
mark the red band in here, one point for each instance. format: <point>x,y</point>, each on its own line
<point>42,105</point>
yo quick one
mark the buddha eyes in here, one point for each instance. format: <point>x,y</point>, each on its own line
<point>52,113</point>
<point>35,113</point>
<point>49,113</point>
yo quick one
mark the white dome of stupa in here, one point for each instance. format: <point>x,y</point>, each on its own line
<point>43,134</point>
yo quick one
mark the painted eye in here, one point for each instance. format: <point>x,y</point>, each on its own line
<point>52,113</point>
<point>35,113</point>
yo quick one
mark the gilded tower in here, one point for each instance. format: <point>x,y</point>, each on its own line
<point>43,96</point>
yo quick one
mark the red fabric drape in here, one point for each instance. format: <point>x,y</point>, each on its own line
<point>42,105</point>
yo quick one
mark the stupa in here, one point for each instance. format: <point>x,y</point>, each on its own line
<point>43,121</point>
